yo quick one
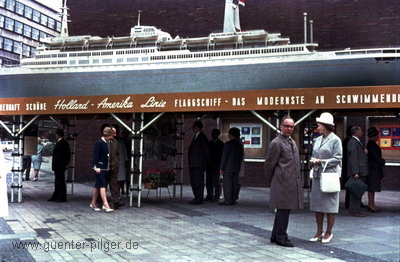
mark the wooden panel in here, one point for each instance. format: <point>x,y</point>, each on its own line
<point>282,99</point>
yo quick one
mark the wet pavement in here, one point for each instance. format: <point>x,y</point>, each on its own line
<point>165,230</point>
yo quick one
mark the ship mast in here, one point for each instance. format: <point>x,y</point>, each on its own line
<point>138,19</point>
<point>64,20</point>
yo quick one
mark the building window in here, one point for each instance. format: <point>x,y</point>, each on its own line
<point>18,27</point>
<point>35,34</point>
<point>43,20</point>
<point>51,23</point>
<point>2,3</point>
<point>36,16</point>
<point>10,5</point>
<point>2,18</point>
<point>8,43</point>
<point>42,35</point>
<point>58,26</point>
<point>26,50</point>
<point>27,31</point>
<point>1,42</point>
<point>19,8</point>
<point>17,47</point>
<point>9,24</point>
<point>28,12</point>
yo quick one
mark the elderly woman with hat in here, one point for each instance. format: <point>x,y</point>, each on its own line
<point>327,151</point>
<point>376,164</point>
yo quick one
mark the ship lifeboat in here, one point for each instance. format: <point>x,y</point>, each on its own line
<point>254,36</point>
<point>225,38</point>
<point>98,41</point>
<point>146,38</point>
<point>124,40</point>
<point>171,44</point>
<point>198,41</point>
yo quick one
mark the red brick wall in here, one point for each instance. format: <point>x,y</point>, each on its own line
<point>337,23</point>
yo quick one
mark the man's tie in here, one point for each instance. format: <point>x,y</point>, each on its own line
<point>291,144</point>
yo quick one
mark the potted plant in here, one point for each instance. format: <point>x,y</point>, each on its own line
<point>155,178</point>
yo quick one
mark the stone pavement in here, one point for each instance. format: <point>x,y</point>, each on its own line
<point>38,230</point>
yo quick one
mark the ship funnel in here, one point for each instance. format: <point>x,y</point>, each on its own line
<point>231,17</point>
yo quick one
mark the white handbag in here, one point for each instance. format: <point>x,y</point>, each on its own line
<point>330,182</point>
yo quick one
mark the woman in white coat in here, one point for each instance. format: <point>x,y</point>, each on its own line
<point>327,151</point>
<point>3,186</point>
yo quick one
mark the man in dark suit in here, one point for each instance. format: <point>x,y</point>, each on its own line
<point>60,163</point>
<point>198,158</point>
<point>357,167</point>
<point>231,162</point>
<point>212,175</point>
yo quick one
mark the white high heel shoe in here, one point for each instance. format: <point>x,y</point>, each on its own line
<point>316,239</point>
<point>108,210</point>
<point>327,240</point>
<point>95,208</point>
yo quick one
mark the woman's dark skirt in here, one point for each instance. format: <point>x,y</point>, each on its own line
<point>374,179</point>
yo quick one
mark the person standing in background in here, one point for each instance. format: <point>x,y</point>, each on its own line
<point>112,175</point>
<point>376,165</point>
<point>282,166</point>
<point>231,162</point>
<point>357,167</point>
<point>122,162</point>
<point>60,163</point>
<point>3,187</point>
<point>198,157</point>
<point>37,159</point>
<point>215,146</point>
<point>344,177</point>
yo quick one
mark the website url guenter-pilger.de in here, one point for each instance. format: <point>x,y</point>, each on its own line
<point>99,244</point>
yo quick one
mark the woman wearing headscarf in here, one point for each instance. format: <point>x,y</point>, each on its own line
<point>327,151</point>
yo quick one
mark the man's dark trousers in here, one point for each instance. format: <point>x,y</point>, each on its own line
<point>197,183</point>
<point>281,222</point>
<point>212,183</point>
<point>60,187</point>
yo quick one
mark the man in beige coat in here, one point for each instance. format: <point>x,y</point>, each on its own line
<point>282,166</point>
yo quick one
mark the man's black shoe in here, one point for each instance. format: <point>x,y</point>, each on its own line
<point>194,202</point>
<point>272,239</point>
<point>225,204</point>
<point>51,199</point>
<point>208,198</point>
<point>215,199</point>
<point>60,201</point>
<point>284,243</point>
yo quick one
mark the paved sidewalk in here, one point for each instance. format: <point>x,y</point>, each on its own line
<point>175,231</point>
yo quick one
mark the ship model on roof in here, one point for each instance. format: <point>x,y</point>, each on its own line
<point>150,61</point>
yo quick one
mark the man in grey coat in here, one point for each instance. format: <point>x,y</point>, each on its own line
<point>282,166</point>
<point>357,167</point>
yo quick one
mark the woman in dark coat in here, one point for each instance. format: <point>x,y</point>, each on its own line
<point>100,167</point>
<point>376,164</point>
